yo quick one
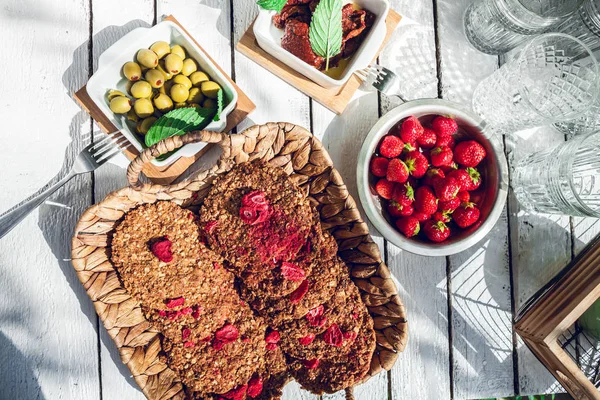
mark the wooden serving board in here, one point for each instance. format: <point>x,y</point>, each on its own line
<point>335,99</point>
<point>167,174</point>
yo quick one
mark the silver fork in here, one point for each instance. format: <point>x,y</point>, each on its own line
<point>89,159</point>
<point>381,79</point>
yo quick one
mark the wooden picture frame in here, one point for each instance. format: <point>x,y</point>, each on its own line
<point>554,310</point>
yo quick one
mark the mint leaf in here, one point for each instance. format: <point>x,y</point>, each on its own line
<point>325,31</point>
<point>178,122</point>
<point>275,5</point>
<point>217,116</point>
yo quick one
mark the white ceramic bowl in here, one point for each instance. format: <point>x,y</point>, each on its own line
<point>269,37</point>
<point>108,76</point>
<point>493,169</point>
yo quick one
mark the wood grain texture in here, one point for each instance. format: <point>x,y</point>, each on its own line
<point>480,276</point>
<point>335,99</point>
<point>48,346</point>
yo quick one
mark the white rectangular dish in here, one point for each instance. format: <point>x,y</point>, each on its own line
<point>269,37</point>
<point>109,76</point>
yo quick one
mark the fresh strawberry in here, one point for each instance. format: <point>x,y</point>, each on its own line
<point>425,200</point>
<point>449,206</point>
<point>469,153</point>
<point>441,156</point>
<point>397,210</point>
<point>464,197</point>
<point>408,226</point>
<point>444,126</point>
<point>441,217</point>
<point>397,171</point>
<point>445,141</point>
<point>466,215</point>
<point>411,130</point>
<point>475,179</point>
<point>408,147</point>
<point>391,146</point>
<point>477,197</point>
<point>446,188</point>
<point>379,166</point>
<point>436,231</point>
<point>384,188</point>
<point>404,194</point>
<point>432,175</point>
<point>468,178</point>
<point>427,139</point>
<point>421,217</point>
<point>417,163</point>
<point>449,168</point>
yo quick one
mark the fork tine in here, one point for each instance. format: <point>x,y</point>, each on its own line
<point>99,143</point>
<point>102,148</point>
<point>108,155</point>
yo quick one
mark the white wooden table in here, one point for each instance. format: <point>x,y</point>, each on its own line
<point>461,344</point>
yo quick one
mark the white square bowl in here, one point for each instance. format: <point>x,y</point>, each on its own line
<point>108,76</point>
<point>269,37</point>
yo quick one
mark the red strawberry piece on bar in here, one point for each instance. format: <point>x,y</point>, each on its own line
<point>292,272</point>
<point>271,346</point>
<point>469,153</point>
<point>384,188</point>
<point>404,194</point>
<point>466,215</point>
<point>350,336</point>
<point>411,129</point>
<point>273,337</point>
<point>397,171</point>
<point>255,386</point>
<point>425,200</point>
<point>427,139</point>
<point>379,166</point>
<point>408,226</point>
<point>333,336</point>
<point>397,210</point>
<point>297,295</point>
<point>391,146</point>
<point>444,126</point>
<point>315,316</point>
<point>227,334</point>
<point>311,364</point>
<point>237,393</point>
<point>306,340</point>
<point>254,198</point>
<point>178,302</point>
<point>210,226</point>
<point>417,163</point>
<point>431,176</point>
<point>446,189</point>
<point>446,141</point>
<point>185,333</point>
<point>436,231</point>
<point>162,249</point>
<point>441,156</point>
<point>189,343</point>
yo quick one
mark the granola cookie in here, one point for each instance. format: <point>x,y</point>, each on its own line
<point>224,360</point>
<point>161,261</point>
<point>256,218</point>
<point>329,375</point>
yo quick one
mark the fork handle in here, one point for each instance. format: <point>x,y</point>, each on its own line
<point>11,218</point>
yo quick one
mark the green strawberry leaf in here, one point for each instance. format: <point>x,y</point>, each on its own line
<point>217,116</point>
<point>275,5</point>
<point>325,31</point>
<point>178,122</point>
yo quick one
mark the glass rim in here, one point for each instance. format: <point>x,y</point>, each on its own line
<point>584,207</point>
<point>525,97</point>
<point>576,5</point>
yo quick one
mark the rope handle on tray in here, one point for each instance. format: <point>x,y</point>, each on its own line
<point>167,145</point>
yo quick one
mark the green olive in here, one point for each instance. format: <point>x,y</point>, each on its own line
<point>163,102</point>
<point>173,63</point>
<point>161,68</point>
<point>179,93</point>
<point>189,67</point>
<point>184,80</point>
<point>147,58</point>
<point>145,124</point>
<point>177,49</point>
<point>198,77</point>
<point>132,116</point>
<point>166,88</point>
<point>112,93</point>
<point>141,89</point>
<point>160,48</point>
<point>183,104</point>
<point>209,103</point>
<point>132,71</point>
<point>210,89</point>
<point>143,108</point>
<point>120,105</point>
<point>195,96</point>
<point>155,78</point>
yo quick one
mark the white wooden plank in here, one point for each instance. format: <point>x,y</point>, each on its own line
<point>108,27</point>
<point>481,295</point>
<point>48,343</point>
<point>541,246</point>
<point>411,54</point>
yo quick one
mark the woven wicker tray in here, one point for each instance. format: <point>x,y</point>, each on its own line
<point>285,145</point>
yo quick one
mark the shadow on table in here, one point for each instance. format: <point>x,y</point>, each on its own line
<point>18,371</point>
